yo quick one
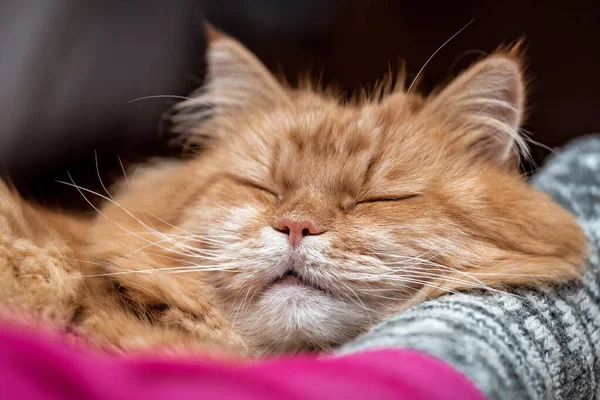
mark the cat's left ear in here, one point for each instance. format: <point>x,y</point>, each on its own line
<point>236,81</point>
<point>486,105</point>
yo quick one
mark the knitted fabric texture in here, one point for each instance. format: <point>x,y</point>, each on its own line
<point>523,344</point>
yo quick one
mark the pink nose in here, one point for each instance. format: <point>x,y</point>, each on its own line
<point>297,230</point>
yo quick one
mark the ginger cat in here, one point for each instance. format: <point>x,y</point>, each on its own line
<point>304,221</point>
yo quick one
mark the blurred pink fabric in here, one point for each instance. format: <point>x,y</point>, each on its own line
<point>37,367</point>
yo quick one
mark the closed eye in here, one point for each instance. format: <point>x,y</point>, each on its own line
<point>249,183</point>
<point>262,188</point>
<point>387,198</point>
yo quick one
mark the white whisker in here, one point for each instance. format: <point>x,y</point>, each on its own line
<point>437,51</point>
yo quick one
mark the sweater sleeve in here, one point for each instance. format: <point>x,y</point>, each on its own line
<point>525,344</point>
<point>34,367</point>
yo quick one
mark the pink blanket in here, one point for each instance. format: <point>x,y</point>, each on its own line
<point>35,367</point>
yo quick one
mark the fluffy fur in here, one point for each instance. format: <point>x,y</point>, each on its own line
<point>409,197</point>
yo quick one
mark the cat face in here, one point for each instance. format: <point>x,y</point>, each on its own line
<point>312,220</point>
<point>316,209</point>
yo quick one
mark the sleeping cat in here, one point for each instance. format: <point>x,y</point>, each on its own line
<point>304,221</point>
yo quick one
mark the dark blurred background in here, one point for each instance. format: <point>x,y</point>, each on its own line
<point>69,69</point>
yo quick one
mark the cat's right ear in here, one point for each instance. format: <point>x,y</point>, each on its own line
<point>236,81</point>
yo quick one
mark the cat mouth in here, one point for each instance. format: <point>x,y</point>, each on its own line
<point>293,278</point>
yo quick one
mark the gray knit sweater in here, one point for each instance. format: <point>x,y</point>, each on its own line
<point>530,345</point>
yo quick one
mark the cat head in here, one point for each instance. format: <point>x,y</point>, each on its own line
<point>313,218</point>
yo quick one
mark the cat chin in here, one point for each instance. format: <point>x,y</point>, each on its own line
<point>296,318</point>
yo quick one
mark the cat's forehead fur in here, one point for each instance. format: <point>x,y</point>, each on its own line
<point>316,143</point>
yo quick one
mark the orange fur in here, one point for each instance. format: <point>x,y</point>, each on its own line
<point>415,197</point>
